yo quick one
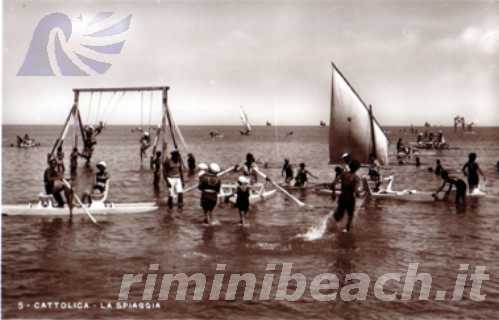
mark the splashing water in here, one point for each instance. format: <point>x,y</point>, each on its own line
<point>316,232</point>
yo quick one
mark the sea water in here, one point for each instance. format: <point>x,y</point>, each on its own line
<point>48,259</point>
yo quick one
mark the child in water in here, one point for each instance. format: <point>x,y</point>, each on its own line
<point>243,194</point>
<point>472,171</point>
<point>301,178</point>
<point>459,184</point>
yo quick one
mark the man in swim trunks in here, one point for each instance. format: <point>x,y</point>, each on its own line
<point>209,184</point>
<point>54,185</point>
<point>459,184</point>
<point>350,182</point>
<point>172,173</point>
<point>472,171</point>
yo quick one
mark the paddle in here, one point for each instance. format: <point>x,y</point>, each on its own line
<point>80,202</point>
<point>263,175</point>
<point>218,175</point>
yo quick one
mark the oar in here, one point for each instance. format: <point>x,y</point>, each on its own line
<point>298,202</point>
<point>218,175</point>
<point>80,202</point>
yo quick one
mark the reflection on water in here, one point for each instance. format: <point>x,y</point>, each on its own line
<point>53,259</point>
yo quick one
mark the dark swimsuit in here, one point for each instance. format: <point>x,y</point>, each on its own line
<point>473,178</point>
<point>460,188</point>
<point>242,201</point>
<point>301,178</point>
<point>210,186</point>
<point>346,201</point>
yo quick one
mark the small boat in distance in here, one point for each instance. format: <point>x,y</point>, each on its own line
<point>268,124</point>
<point>246,123</point>
<point>323,124</point>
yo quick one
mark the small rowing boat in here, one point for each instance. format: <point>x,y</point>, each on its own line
<point>412,195</point>
<point>96,208</point>
<point>257,194</point>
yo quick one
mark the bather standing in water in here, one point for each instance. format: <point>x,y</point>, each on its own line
<point>472,170</point>
<point>350,183</point>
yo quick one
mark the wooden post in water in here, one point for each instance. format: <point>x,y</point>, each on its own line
<point>75,118</point>
<point>172,131</point>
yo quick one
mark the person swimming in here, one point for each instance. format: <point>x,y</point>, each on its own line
<point>459,184</point>
<point>209,184</point>
<point>302,174</point>
<point>287,171</point>
<point>350,182</point>
<point>472,170</point>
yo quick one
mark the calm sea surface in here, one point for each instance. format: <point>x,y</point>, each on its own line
<point>48,259</point>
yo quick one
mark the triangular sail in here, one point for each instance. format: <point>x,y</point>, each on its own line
<point>244,119</point>
<point>352,128</point>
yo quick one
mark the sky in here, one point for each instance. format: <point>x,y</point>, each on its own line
<point>414,61</point>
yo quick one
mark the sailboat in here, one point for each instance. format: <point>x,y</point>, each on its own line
<point>353,128</point>
<point>245,121</point>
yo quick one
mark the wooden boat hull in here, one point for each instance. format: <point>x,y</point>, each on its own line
<point>256,198</point>
<point>97,208</point>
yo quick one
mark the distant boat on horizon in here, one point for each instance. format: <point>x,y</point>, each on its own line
<point>246,123</point>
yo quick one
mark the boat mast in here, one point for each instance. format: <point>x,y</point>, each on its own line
<point>373,137</point>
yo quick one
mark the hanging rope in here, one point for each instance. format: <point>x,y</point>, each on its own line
<point>150,110</point>
<point>98,108</point>
<point>179,133</point>
<point>89,117</point>
<point>103,112</point>
<point>142,110</point>
<point>116,103</point>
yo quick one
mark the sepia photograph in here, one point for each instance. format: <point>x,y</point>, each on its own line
<point>272,159</point>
